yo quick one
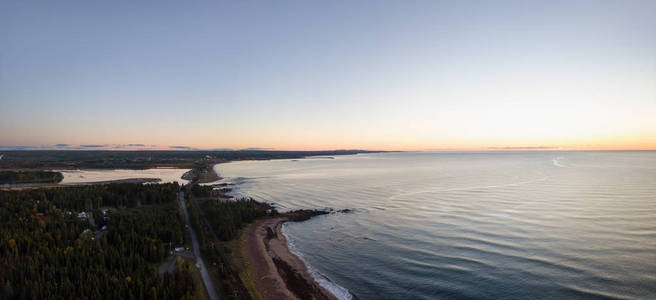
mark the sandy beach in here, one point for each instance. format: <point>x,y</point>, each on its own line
<point>277,273</point>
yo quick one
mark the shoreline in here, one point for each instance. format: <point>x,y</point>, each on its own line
<point>277,272</point>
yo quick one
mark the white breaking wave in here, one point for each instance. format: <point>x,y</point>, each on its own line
<point>338,291</point>
<point>556,162</point>
<point>236,193</point>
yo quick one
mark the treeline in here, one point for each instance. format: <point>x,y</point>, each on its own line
<point>22,177</point>
<point>47,252</point>
<point>224,219</point>
<point>229,282</point>
<point>89,197</point>
<point>227,217</point>
<point>198,190</point>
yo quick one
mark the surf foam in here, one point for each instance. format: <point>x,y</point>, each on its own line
<point>336,290</point>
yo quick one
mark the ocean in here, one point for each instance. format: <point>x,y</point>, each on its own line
<point>478,225</point>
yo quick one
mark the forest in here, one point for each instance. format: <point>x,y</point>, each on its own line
<point>88,197</point>
<point>22,177</point>
<point>219,220</point>
<point>48,251</point>
<point>227,217</point>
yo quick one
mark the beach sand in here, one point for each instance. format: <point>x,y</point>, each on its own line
<point>277,273</point>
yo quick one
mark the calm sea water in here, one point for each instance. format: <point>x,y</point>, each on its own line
<point>470,225</point>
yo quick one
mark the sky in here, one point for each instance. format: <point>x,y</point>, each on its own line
<point>307,75</point>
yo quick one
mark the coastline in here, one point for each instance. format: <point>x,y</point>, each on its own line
<point>277,272</point>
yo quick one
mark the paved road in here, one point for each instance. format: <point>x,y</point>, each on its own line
<point>207,281</point>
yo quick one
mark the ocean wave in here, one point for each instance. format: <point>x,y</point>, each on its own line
<point>336,290</point>
<point>469,188</point>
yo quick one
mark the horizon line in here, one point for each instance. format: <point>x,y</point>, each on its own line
<point>195,149</point>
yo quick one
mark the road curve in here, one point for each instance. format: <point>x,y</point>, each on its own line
<point>207,281</point>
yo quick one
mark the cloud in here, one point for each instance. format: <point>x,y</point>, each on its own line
<point>126,146</point>
<point>93,146</point>
<point>62,145</point>
<point>182,147</point>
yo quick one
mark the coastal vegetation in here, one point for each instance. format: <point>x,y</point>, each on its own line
<point>202,172</point>
<point>228,217</point>
<point>215,253</point>
<point>201,191</point>
<point>30,176</point>
<point>93,242</point>
<point>90,197</point>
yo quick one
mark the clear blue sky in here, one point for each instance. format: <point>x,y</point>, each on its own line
<point>329,74</point>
